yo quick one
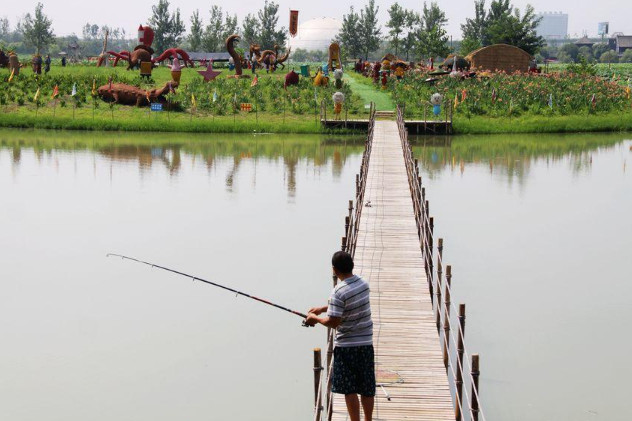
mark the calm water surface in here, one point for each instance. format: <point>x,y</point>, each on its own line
<point>90,337</point>
<point>537,229</point>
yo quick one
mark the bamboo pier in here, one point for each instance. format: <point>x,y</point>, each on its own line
<point>422,370</point>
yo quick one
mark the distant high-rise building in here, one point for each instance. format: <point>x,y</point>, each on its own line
<point>554,25</point>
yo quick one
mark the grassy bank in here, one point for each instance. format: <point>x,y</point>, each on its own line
<point>614,122</point>
<point>121,118</point>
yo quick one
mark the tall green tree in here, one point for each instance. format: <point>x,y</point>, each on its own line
<point>475,30</point>
<point>168,27</point>
<point>38,30</point>
<point>370,30</point>
<point>433,38</point>
<point>268,21</point>
<point>212,40</point>
<point>409,42</point>
<point>517,29</point>
<point>250,29</point>
<point>5,28</point>
<point>501,24</point>
<point>349,36</point>
<point>196,33</point>
<point>230,26</point>
<point>396,24</point>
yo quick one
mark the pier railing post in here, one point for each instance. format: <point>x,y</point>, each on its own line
<point>458,383</point>
<point>317,375</point>
<point>431,251</point>
<point>439,286</point>
<point>446,322</point>
<point>474,395</point>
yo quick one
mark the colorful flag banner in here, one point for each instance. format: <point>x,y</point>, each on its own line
<point>55,92</point>
<point>463,95</point>
<point>255,81</point>
<point>36,97</point>
<point>245,106</point>
<point>215,95</point>
<point>456,100</point>
<point>193,101</point>
<point>94,87</point>
<point>293,22</point>
<point>12,74</point>
<point>551,101</point>
<point>494,95</point>
<point>74,90</point>
<point>593,100</point>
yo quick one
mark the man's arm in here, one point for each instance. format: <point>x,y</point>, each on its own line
<point>329,321</point>
<point>318,310</point>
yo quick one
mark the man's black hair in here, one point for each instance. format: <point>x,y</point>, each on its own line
<point>342,262</point>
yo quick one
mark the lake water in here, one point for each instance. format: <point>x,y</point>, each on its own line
<point>537,229</point>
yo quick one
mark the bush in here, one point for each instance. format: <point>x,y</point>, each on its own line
<point>609,57</point>
<point>627,56</point>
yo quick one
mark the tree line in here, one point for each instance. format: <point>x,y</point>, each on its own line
<point>410,34</point>
<point>422,34</point>
<point>34,32</point>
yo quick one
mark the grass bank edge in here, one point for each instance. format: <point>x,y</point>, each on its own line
<point>614,122</point>
<point>154,125</point>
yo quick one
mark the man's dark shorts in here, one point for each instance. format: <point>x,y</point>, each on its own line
<point>354,370</point>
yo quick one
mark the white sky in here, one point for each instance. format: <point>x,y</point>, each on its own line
<point>70,15</point>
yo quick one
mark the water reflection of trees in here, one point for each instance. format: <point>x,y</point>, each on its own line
<point>166,150</point>
<point>510,155</point>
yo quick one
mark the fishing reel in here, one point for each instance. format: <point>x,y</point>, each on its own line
<point>304,324</point>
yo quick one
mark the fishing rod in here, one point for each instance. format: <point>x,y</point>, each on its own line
<point>195,278</point>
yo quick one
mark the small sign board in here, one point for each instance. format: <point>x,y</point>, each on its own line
<point>156,106</point>
<point>246,107</point>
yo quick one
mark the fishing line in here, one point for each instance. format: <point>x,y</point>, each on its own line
<point>195,278</point>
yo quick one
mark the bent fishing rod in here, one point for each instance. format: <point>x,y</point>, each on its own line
<point>195,278</point>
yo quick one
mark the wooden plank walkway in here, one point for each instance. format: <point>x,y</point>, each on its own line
<point>389,257</point>
<point>413,126</point>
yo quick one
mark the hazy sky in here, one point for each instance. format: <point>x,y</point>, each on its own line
<point>70,16</point>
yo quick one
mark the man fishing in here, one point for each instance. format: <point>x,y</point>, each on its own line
<point>349,312</point>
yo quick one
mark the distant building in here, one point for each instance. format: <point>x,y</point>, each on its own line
<point>584,42</point>
<point>554,25</point>
<point>619,43</point>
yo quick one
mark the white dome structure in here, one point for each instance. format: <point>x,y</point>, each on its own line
<point>315,34</point>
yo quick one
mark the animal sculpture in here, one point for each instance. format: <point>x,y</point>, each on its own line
<point>230,47</point>
<point>121,93</point>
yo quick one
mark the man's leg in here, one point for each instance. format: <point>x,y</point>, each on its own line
<point>353,406</point>
<point>367,407</point>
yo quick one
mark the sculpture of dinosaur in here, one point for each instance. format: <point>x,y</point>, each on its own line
<point>281,59</point>
<point>230,47</point>
<point>121,93</point>
<point>271,58</point>
<point>255,51</point>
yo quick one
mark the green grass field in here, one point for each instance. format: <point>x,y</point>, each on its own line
<point>544,124</point>
<point>283,112</point>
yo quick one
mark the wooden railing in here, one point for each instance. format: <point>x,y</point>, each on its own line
<point>463,372</point>
<point>348,244</point>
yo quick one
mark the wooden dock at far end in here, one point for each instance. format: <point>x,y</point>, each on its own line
<point>408,356</point>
